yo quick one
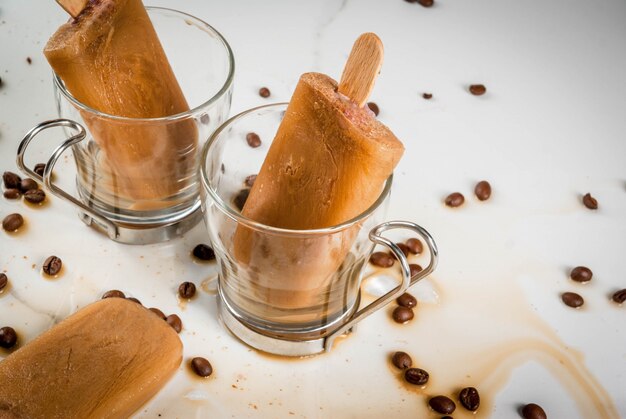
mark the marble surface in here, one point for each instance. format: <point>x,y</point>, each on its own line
<point>550,128</point>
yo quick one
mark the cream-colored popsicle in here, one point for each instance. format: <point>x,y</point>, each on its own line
<point>111,60</point>
<point>104,361</point>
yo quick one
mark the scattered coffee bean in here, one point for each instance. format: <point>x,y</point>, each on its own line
<point>533,411</point>
<point>12,193</point>
<point>415,269</point>
<point>241,198</point>
<point>11,180</point>
<point>401,360</point>
<point>403,247</point>
<point>415,246</point>
<point>425,3</point>
<point>416,376</point>
<point>442,404</point>
<point>406,300</point>
<point>264,92</point>
<point>113,294</point>
<point>572,299</point>
<point>249,182</point>
<point>29,60</point>
<point>1,82</point>
<point>373,107</point>
<point>187,290</point>
<point>3,281</point>
<point>12,222</point>
<point>134,300</point>
<point>175,321</point>
<point>28,184</point>
<point>203,252</point>
<point>402,315</point>
<point>201,366</point>
<point>455,199</point>
<point>590,202</point>
<point>427,96</point>
<point>483,190</point>
<point>581,274</point>
<point>469,398</point>
<point>52,265</point>
<point>253,139</point>
<point>381,259</point>
<point>39,168</point>
<point>158,312</point>
<point>619,296</point>
<point>477,89</point>
<point>8,337</point>
<point>35,196</point>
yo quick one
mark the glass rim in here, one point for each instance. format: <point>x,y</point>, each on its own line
<point>240,218</point>
<point>182,115</point>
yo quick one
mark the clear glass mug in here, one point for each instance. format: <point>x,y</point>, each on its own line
<point>288,292</point>
<point>137,174</point>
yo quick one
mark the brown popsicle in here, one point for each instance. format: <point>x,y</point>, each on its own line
<point>104,361</point>
<point>110,59</point>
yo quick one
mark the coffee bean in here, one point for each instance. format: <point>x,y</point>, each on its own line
<point>187,290</point>
<point>203,252</point>
<point>427,96</point>
<point>29,60</point>
<point>381,259</point>
<point>533,411</point>
<point>581,274</point>
<point>590,202</point>
<point>39,168</point>
<point>113,294</point>
<point>28,184</point>
<point>134,300</point>
<point>415,246</point>
<point>469,398</point>
<point>11,180</point>
<point>401,360</point>
<point>477,89</point>
<point>3,281</point>
<point>8,337</point>
<point>12,193</point>
<point>201,366</point>
<point>415,269</point>
<point>52,265</point>
<point>425,3</point>
<point>373,107</point>
<point>403,248</point>
<point>406,300</point>
<point>402,314</point>
<point>416,376</point>
<point>442,404</point>
<point>175,321</point>
<point>249,182</point>
<point>35,196</point>
<point>158,312</point>
<point>241,198</point>
<point>455,199</point>
<point>619,296</point>
<point>253,139</point>
<point>12,222</point>
<point>572,299</point>
<point>483,190</point>
<point>264,92</point>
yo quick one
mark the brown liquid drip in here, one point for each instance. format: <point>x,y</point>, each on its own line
<point>52,277</point>
<point>43,204</point>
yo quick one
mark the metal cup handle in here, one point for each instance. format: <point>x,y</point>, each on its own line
<point>87,214</point>
<point>376,237</point>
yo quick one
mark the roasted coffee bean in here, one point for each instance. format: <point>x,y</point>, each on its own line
<point>134,300</point>
<point>533,411</point>
<point>455,199</point>
<point>11,180</point>
<point>373,107</point>
<point>406,300</point>
<point>415,269</point>
<point>187,290</point>
<point>477,89</point>
<point>249,182</point>
<point>12,193</point>
<point>35,196</point>
<point>401,360</point>
<point>403,248</point>
<point>425,3</point>
<point>12,222</point>
<point>29,60</point>
<point>590,202</point>
<point>175,321</point>
<point>469,398</point>
<point>241,198</point>
<point>39,168</point>
<point>3,281</point>
<point>158,312</point>
<point>28,184</point>
<point>253,139</point>
<point>415,246</point>
<point>619,296</point>
<point>483,190</point>
<point>416,376</point>
<point>8,337</point>
<point>572,299</point>
<point>264,92</point>
<point>52,265</point>
<point>402,315</point>
<point>427,96</point>
<point>442,404</point>
<point>201,366</point>
<point>381,259</point>
<point>203,252</point>
<point>581,274</point>
<point>113,294</point>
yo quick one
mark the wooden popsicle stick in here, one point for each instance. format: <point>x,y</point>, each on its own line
<point>73,7</point>
<point>362,68</point>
